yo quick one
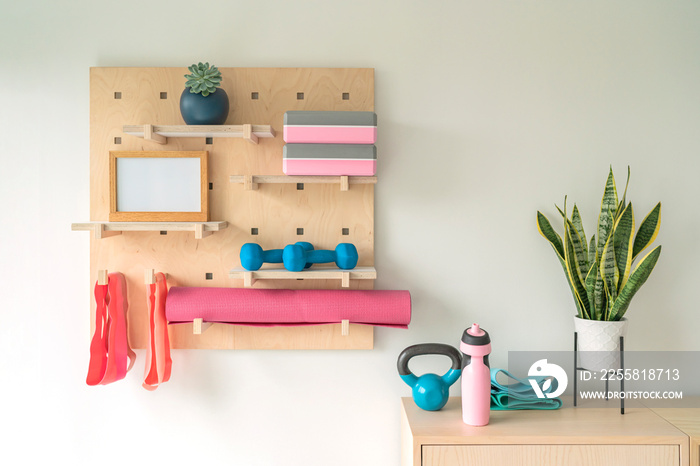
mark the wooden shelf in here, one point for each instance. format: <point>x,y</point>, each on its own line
<point>247,337</point>
<point>107,229</point>
<point>199,326</point>
<point>322,273</point>
<point>161,133</point>
<point>252,181</point>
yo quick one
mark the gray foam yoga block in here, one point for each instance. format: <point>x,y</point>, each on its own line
<point>330,151</point>
<point>318,118</point>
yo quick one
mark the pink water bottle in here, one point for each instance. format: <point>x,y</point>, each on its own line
<point>476,376</point>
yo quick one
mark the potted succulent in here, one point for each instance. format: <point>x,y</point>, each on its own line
<point>203,102</point>
<point>601,273</point>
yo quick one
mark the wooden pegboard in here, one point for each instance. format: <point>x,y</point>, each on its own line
<point>138,96</point>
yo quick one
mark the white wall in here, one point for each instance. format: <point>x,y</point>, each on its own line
<point>488,111</point>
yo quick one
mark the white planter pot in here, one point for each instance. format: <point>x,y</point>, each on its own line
<point>599,343</point>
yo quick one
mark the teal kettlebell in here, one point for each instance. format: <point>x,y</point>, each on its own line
<point>430,391</point>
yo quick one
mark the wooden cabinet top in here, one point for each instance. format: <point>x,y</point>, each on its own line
<point>567,425</point>
<point>686,419</point>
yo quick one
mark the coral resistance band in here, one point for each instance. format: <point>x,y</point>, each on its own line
<point>158,360</point>
<point>109,348</point>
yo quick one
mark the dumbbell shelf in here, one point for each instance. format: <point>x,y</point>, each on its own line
<point>314,273</point>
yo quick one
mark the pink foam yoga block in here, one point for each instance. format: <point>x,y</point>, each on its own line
<point>330,134</point>
<point>288,307</point>
<point>329,167</point>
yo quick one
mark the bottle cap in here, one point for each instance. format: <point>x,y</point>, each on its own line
<point>476,336</point>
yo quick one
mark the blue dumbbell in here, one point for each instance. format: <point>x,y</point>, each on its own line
<point>307,247</point>
<point>253,257</point>
<point>295,257</point>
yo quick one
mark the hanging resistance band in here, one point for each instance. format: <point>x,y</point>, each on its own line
<point>109,348</point>
<point>158,360</point>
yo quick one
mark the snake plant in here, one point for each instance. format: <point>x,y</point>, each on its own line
<point>204,79</point>
<point>600,272</point>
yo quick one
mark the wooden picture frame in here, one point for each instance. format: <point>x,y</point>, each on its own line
<point>158,186</point>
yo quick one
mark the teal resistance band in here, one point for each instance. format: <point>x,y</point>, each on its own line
<point>519,395</point>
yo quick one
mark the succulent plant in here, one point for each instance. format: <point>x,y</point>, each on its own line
<point>600,272</point>
<point>204,79</point>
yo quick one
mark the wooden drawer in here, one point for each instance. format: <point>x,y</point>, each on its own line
<point>555,455</point>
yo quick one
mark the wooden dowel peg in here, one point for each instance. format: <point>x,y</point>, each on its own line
<point>344,183</point>
<point>100,232</point>
<point>248,134</point>
<point>248,183</point>
<point>248,279</point>
<point>149,276</point>
<point>345,327</point>
<point>149,135</point>
<point>200,232</point>
<point>199,326</point>
<point>345,279</point>
<point>102,277</point>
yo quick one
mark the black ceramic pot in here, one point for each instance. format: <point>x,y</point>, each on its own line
<point>199,110</point>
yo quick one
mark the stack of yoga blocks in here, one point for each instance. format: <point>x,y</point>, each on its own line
<point>330,143</point>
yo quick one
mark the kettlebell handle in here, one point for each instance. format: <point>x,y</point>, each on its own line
<point>428,348</point>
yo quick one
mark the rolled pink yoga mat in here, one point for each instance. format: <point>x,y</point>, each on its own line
<point>288,307</point>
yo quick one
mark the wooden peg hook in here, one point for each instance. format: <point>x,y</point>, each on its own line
<point>150,135</point>
<point>150,276</point>
<point>199,326</point>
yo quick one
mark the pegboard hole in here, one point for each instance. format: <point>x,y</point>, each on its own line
<point>209,141</point>
<point>300,231</point>
<point>254,95</point>
<point>300,96</point>
<point>346,231</point>
<point>253,231</point>
<point>211,186</point>
<point>346,96</point>
<point>163,95</point>
<point>300,186</point>
<point>117,140</point>
<point>163,232</point>
<point>117,95</point>
<point>209,276</point>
